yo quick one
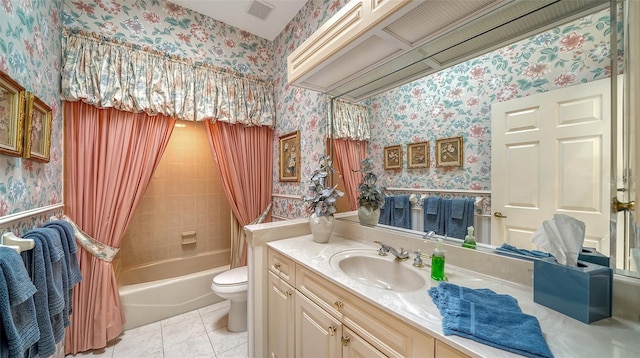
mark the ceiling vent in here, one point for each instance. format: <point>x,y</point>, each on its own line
<point>259,9</point>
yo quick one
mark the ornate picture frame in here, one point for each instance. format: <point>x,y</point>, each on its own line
<point>449,152</point>
<point>37,140</point>
<point>12,116</point>
<point>418,155</point>
<point>289,157</point>
<point>393,157</point>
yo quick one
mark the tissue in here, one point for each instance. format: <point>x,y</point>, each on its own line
<point>562,237</point>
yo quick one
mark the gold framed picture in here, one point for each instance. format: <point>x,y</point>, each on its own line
<point>418,155</point>
<point>393,157</point>
<point>12,115</point>
<point>289,156</point>
<point>37,140</point>
<point>449,152</point>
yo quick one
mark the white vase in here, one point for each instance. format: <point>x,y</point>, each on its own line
<point>367,216</point>
<point>321,227</point>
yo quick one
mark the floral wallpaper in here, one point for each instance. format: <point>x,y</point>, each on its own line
<point>30,46</point>
<point>175,30</point>
<point>298,108</point>
<point>457,101</point>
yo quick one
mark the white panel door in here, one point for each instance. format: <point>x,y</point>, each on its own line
<point>317,332</point>
<point>550,154</point>
<point>281,318</point>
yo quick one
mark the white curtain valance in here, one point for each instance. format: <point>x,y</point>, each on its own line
<point>350,120</point>
<point>109,73</point>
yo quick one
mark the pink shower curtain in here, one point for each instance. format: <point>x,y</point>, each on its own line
<point>245,159</point>
<point>349,154</point>
<point>110,156</point>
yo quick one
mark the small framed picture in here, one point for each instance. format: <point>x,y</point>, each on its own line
<point>393,157</point>
<point>37,140</point>
<point>418,155</point>
<point>449,152</point>
<point>12,115</point>
<point>289,156</point>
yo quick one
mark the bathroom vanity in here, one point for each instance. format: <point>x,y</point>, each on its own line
<point>305,300</point>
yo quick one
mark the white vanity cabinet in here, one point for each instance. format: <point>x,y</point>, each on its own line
<point>309,316</point>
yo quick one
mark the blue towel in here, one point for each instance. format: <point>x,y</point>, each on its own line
<point>455,227</point>
<point>484,296</point>
<point>17,309</point>
<point>401,216</point>
<point>489,318</point>
<point>458,205</point>
<point>510,250</point>
<point>431,214</point>
<point>432,205</point>
<point>386,211</point>
<point>36,264</point>
<point>69,248</point>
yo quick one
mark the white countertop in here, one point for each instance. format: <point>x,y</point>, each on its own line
<point>566,337</point>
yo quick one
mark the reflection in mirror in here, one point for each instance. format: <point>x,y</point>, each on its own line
<point>458,101</point>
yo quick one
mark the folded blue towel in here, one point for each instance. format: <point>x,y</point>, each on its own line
<point>489,318</point>
<point>458,205</point>
<point>519,333</point>
<point>431,215</point>
<point>528,254</point>
<point>386,211</point>
<point>432,205</point>
<point>483,296</point>
<point>67,238</point>
<point>17,309</point>
<point>36,264</point>
<point>401,216</point>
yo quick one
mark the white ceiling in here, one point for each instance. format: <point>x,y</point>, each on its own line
<point>234,13</point>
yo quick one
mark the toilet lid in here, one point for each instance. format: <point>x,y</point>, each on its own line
<point>236,276</point>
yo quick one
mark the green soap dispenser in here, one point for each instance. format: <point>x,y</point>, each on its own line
<point>469,240</point>
<point>437,262</point>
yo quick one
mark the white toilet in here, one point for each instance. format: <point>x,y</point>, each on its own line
<point>232,285</point>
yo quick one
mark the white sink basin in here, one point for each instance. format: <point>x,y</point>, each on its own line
<point>366,266</point>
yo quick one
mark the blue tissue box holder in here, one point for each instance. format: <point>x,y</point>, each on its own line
<point>582,292</point>
<point>589,254</point>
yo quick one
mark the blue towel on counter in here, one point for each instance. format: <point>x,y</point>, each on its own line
<point>432,215</point>
<point>510,250</point>
<point>36,263</point>
<point>401,216</point>
<point>459,216</point>
<point>479,317</point>
<point>484,296</point>
<point>17,309</point>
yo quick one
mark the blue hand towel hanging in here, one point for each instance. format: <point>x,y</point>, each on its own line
<point>432,214</point>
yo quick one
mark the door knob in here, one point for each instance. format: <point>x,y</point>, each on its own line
<point>619,206</point>
<point>499,215</point>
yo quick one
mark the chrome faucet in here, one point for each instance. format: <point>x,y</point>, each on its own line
<point>430,235</point>
<point>385,249</point>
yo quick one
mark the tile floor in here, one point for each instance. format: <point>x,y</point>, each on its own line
<point>200,333</point>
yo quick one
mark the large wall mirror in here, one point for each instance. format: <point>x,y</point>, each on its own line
<point>580,173</point>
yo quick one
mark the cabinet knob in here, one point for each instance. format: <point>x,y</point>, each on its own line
<point>289,293</point>
<point>276,266</point>
<point>332,330</point>
<point>345,341</point>
<point>339,305</point>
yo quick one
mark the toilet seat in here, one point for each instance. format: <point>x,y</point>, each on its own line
<point>234,280</point>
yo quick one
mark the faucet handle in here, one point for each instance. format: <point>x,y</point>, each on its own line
<point>417,262</point>
<point>383,250</point>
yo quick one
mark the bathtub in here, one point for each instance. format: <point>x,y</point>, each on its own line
<point>167,288</point>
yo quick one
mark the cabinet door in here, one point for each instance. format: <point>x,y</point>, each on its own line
<point>280,318</point>
<point>356,347</point>
<point>317,332</point>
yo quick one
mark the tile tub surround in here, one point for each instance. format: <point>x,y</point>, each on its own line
<point>565,336</point>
